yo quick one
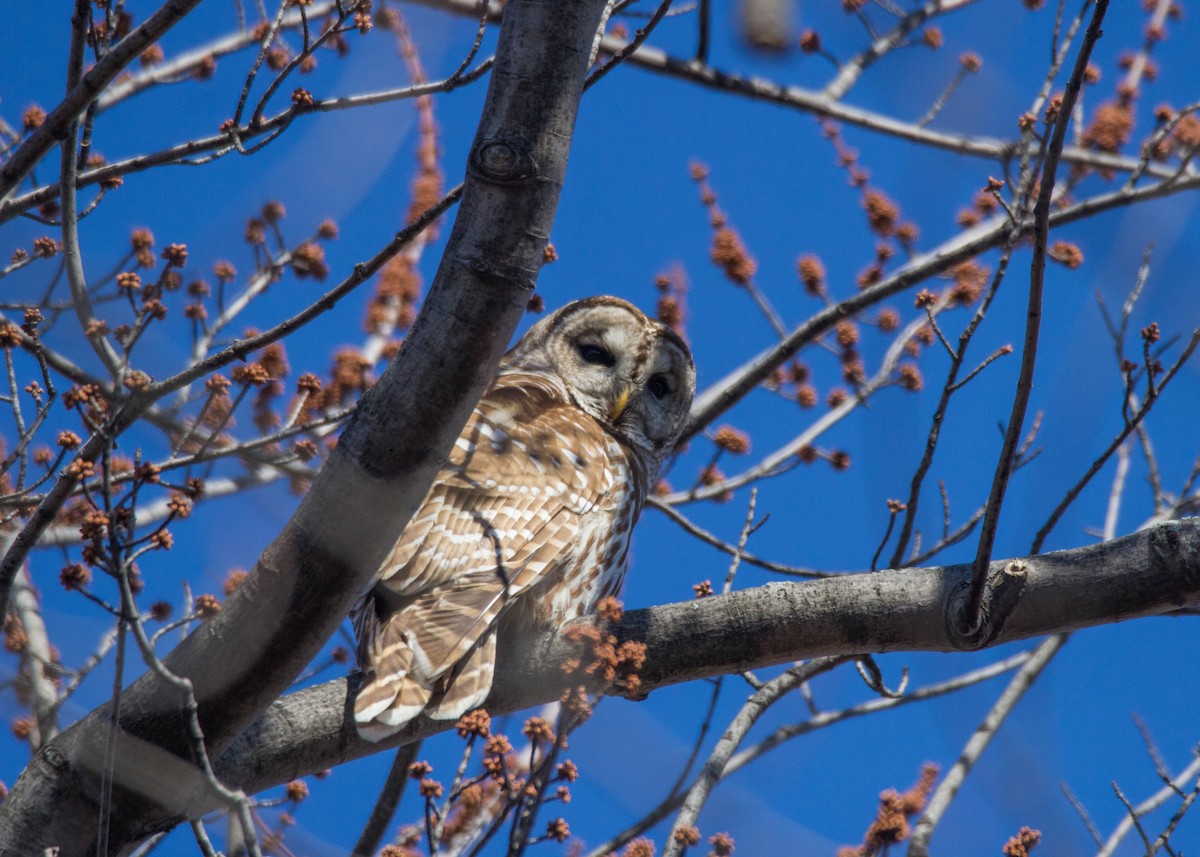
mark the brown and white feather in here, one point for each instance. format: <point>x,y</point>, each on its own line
<point>532,510</point>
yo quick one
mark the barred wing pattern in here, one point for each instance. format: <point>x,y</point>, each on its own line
<point>532,509</point>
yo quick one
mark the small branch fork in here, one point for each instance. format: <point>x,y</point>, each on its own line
<point>1173,787</point>
<point>735,734</point>
<point>952,385</point>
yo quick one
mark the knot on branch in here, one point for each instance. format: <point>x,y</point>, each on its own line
<point>1001,592</point>
<point>54,757</point>
<point>501,161</point>
<point>1177,555</point>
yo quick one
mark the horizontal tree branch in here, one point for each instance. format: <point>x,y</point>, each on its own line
<point>828,102</point>
<point>205,149</point>
<point>1145,574</point>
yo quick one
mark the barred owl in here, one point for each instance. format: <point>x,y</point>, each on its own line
<point>527,524</point>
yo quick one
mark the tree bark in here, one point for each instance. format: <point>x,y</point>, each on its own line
<point>1149,573</point>
<point>309,577</point>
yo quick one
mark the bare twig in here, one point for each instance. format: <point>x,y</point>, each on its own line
<point>1082,813</point>
<point>754,708</point>
<point>632,45</point>
<point>948,788</point>
<point>950,386</point>
<point>850,71</point>
<point>1114,445</point>
<point>386,803</point>
<point>972,609</point>
<point>705,536</point>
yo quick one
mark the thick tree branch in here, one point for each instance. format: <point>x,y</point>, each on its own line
<point>1145,574</point>
<point>309,577</point>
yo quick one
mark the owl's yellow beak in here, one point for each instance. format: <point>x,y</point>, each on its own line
<point>619,405</point>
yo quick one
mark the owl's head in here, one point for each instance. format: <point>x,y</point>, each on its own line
<point>631,373</point>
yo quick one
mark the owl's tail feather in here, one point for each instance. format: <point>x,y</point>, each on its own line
<point>436,653</point>
<point>393,693</point>
<point>470,684</point>
<point>382,716</point>
<point>389,696</point>
<point>387,701</point>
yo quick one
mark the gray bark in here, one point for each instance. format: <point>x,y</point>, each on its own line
<point>1146,574</point>
<point>308,578</point>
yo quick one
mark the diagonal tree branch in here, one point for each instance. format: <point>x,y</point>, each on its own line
<point>77,100</point>
<point>308,578</point>
<point>728,391</point>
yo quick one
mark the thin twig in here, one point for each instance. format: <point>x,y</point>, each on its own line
<point>629,47</point>
<point>973,608</point>
<point>749,714</point>
<point>705,536</point>
<point>948,788</point>
<point>1082,812</point>
<point>388,800</point>
<point>1115,444</point>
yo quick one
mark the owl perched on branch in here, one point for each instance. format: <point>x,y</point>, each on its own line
<point>529,519</point>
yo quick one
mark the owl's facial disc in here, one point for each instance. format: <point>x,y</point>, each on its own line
<point>628,372</point>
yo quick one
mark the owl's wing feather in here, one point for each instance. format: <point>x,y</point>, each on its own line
<point>504,513</point>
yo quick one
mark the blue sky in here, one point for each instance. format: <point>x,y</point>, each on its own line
<point>630,210</point>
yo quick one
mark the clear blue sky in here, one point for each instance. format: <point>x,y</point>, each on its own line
<point>628,211</point>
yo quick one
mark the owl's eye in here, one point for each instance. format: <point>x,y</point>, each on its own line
<point>597,355</point>
<point>659,386</point>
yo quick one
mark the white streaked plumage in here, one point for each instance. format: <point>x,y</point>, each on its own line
<point>527,524</point>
